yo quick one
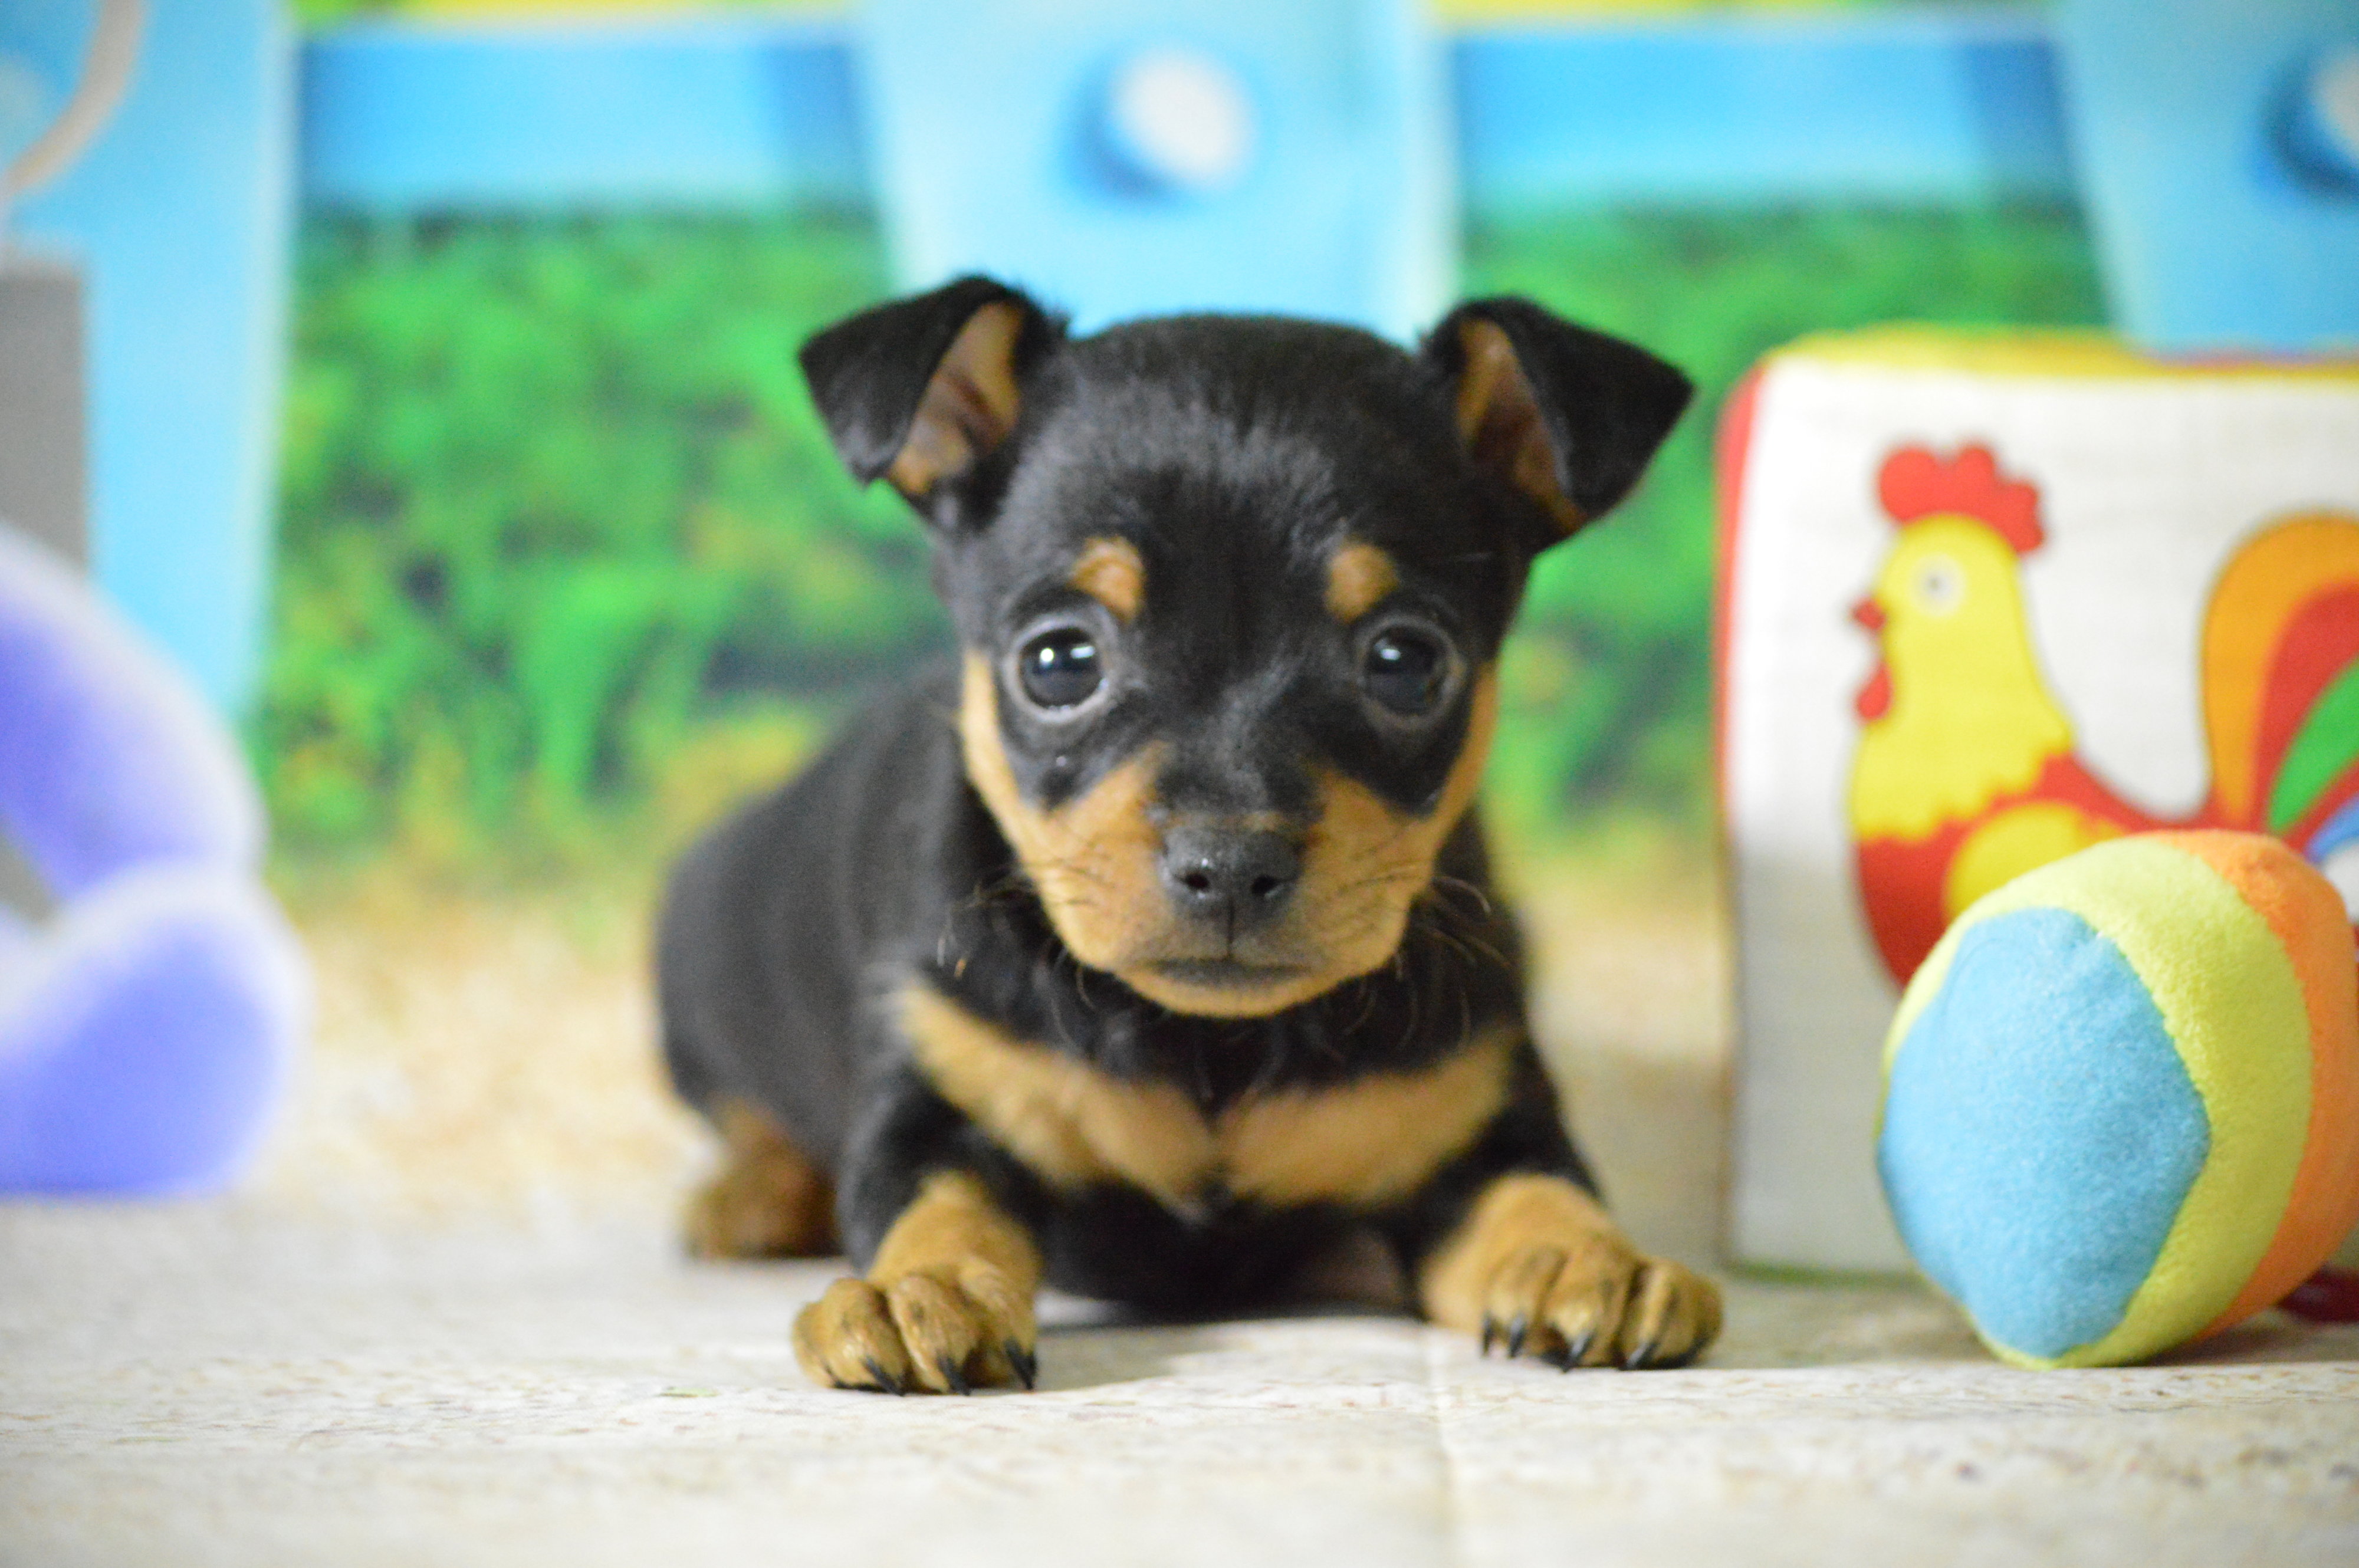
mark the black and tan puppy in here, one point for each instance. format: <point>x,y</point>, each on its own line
<point>1153,946</point>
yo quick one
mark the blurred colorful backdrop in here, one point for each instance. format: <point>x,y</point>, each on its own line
<point>563,557</point>
<point>520,554</point>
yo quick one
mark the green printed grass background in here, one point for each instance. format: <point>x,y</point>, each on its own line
<point>565,562</point>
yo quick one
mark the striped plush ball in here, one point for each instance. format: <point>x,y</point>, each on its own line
<point>2122,1097</point>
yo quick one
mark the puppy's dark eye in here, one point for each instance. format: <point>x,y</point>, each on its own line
<point>1403,669</point>
<point>1060,667</point>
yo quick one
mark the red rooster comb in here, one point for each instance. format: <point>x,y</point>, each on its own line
<point>1915,484</point>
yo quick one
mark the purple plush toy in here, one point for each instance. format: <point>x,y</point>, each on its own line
<point>145,1026</point>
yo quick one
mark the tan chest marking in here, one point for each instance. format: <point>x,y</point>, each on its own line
<point>1367,1141</point>
<point>1072,1124</point>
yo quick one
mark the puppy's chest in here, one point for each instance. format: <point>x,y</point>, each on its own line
<point>1364,1142</point>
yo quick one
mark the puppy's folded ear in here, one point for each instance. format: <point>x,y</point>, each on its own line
<point>921,390</point>
<point>1565,415</point>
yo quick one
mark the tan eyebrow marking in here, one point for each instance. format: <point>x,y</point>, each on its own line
<point>1110,571</point>
<point>1358,577</point>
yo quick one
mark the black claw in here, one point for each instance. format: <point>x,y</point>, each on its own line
<point>1516,1331</point>
<point>884,1380</point>
<point>1026,1366</point>
<point>952,1374</point>
<point>1643,1356</point>
<point>1490,1333</point>
<point>1577,1351</point>
<point>1560,1358</point>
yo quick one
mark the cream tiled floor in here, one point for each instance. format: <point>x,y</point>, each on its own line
<point>225,1384</point>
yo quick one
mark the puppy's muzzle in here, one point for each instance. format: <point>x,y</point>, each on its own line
<point>1228,880</point>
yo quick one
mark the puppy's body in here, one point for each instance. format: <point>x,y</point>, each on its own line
<point>799,935</point>
<point>1152,944</point>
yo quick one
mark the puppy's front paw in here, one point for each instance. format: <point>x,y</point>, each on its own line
<point>1599,1304</point>
<point>939,1332</point>
<point>947,1304</point>
<point>1540,1268</point>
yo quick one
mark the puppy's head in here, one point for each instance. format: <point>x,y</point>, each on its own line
<point>1230,592</point>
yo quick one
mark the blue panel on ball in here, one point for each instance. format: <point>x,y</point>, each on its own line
<point>2039,1132</point>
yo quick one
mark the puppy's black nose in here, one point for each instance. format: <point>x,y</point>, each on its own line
<point>1238,879</point>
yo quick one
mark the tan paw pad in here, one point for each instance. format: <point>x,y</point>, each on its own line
<point>1540,1270</point>
<point>919,1334</point>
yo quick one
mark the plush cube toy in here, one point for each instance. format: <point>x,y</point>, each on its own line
<point>1988,598</point>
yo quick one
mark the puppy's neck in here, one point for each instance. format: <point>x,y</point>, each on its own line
<point>1458,968</point>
